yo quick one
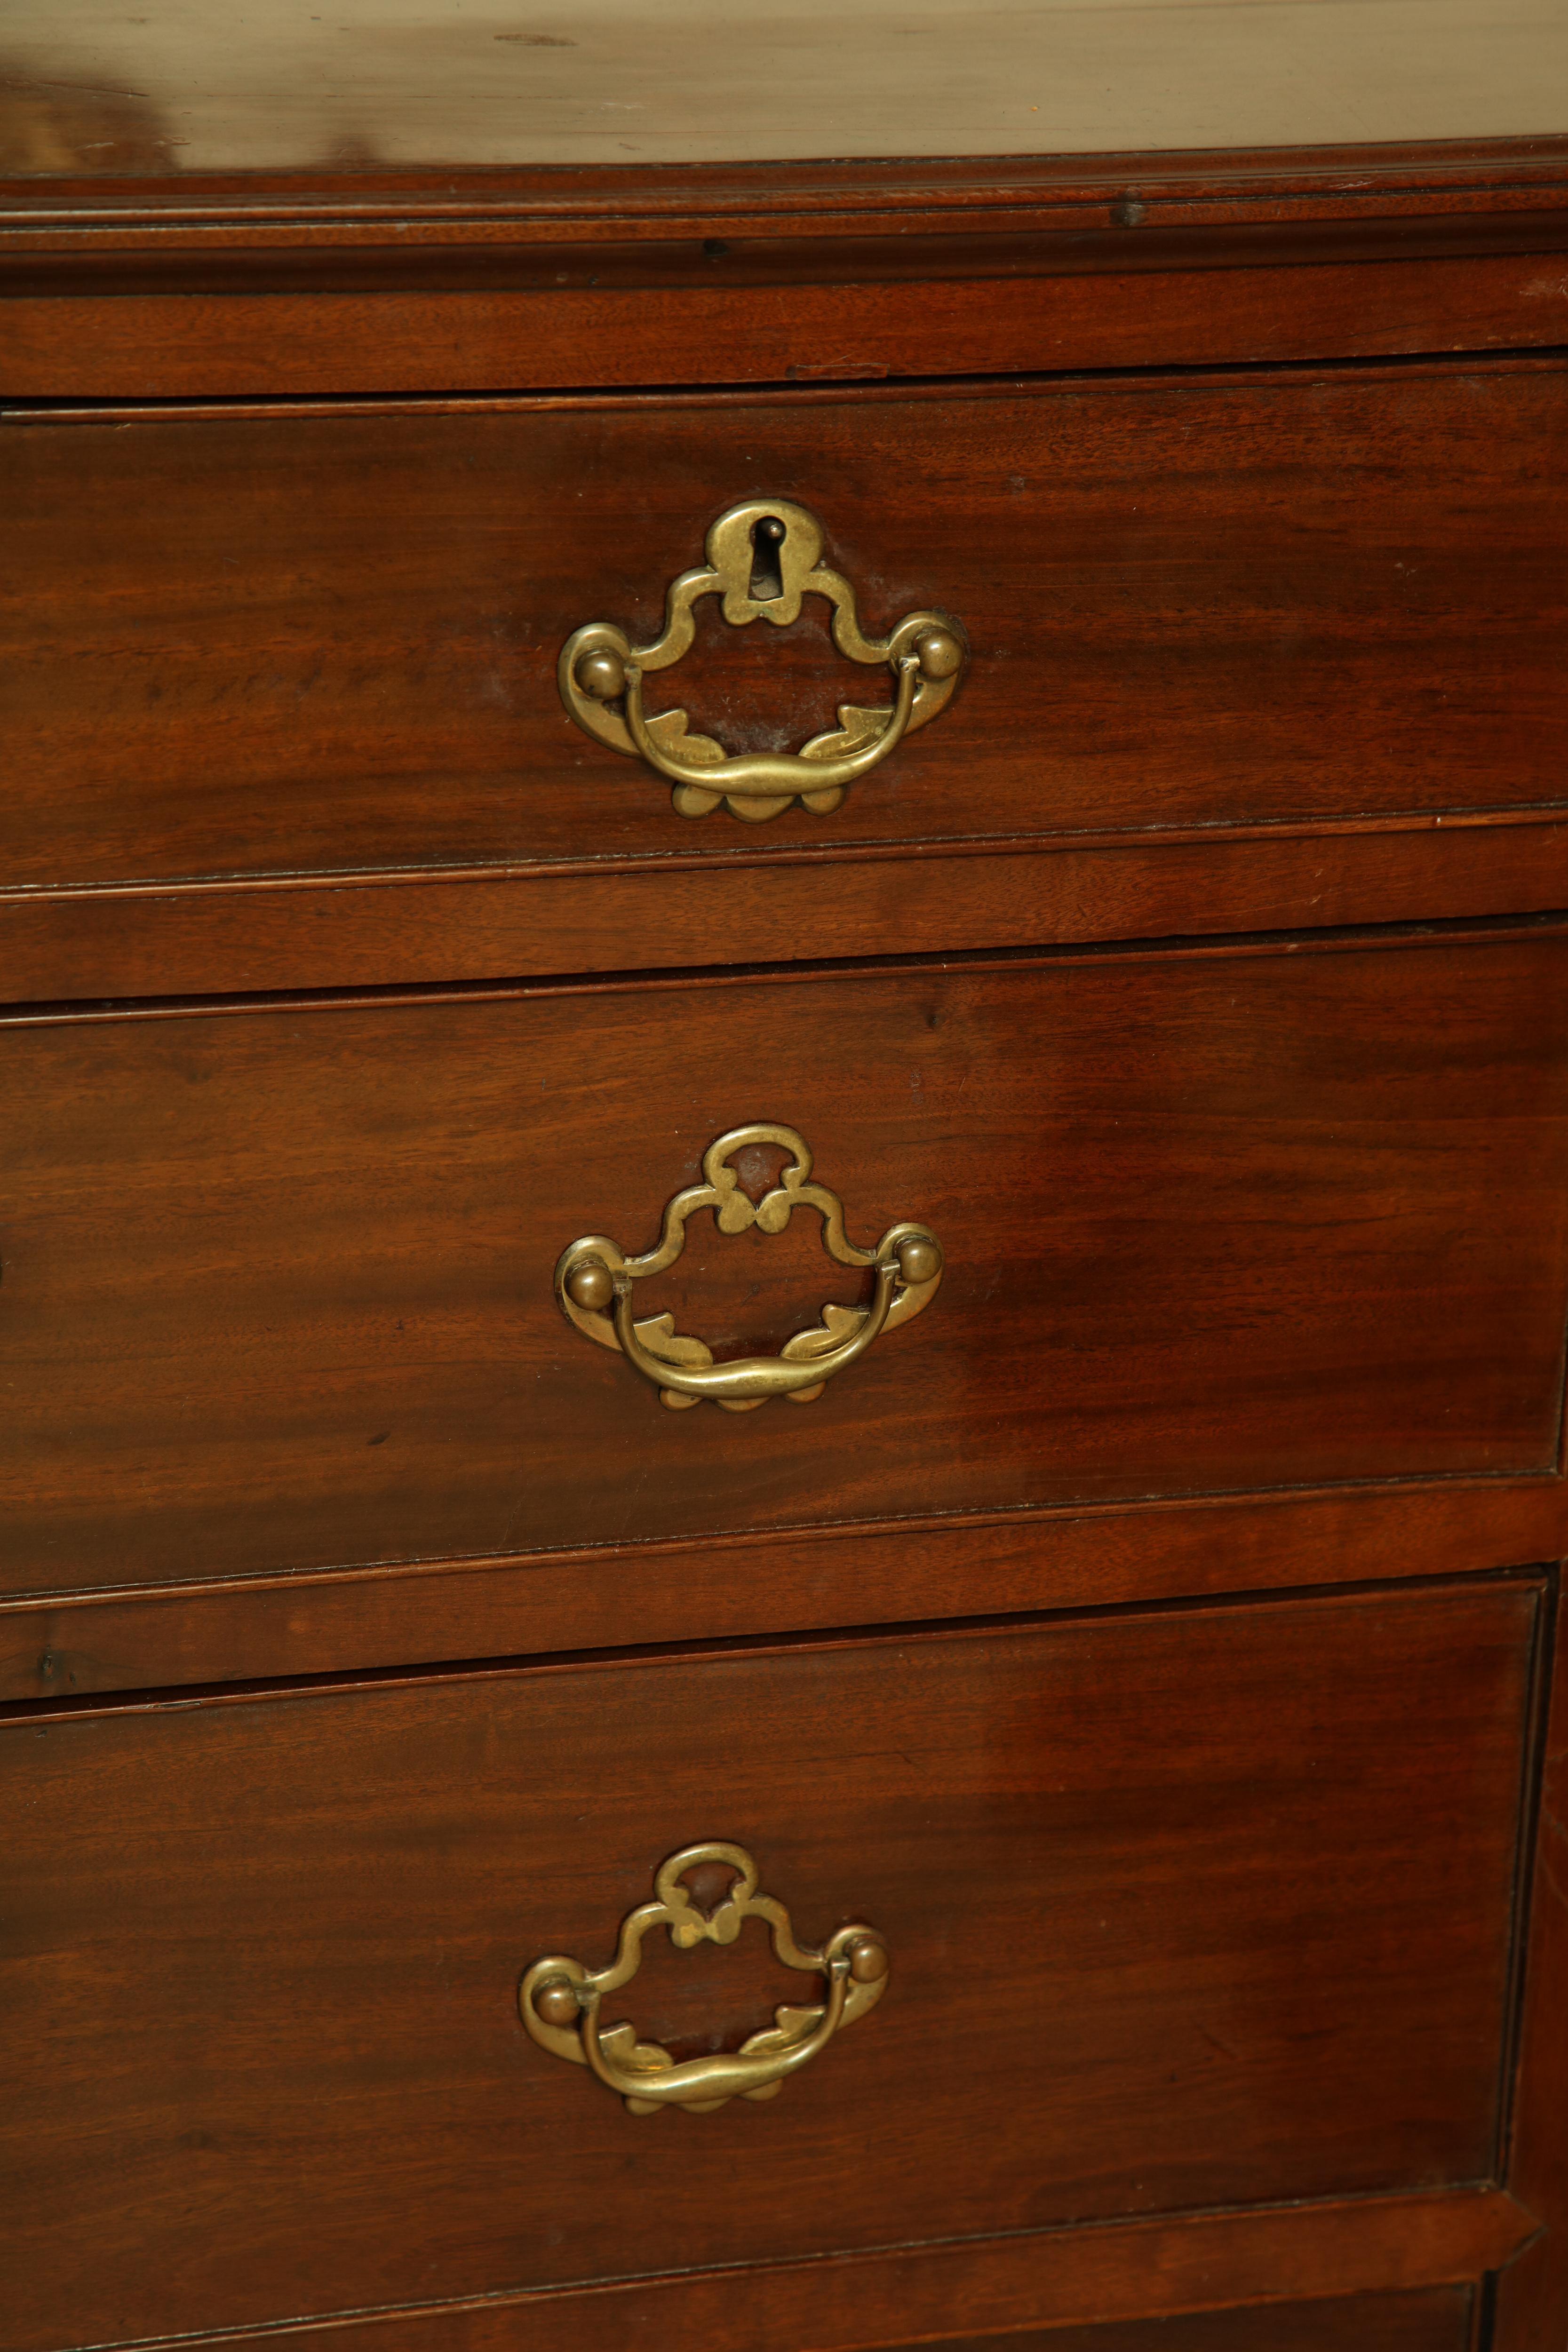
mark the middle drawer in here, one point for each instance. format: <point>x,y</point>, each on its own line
<point>278,1281</point>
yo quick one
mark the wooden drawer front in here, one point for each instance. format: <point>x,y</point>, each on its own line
<point>1438,2320</point>
<point>1185,1910</point>
<point>272,643</point>
<point>277,1284</point>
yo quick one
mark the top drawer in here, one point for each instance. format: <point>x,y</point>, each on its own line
<point>267,641</point>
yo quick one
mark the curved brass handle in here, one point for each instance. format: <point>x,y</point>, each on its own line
<point>775,776</point>
<point>763,556</point>
<point>561,2001</point>
<point>592,1274</point>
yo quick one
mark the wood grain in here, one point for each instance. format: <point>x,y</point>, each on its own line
<point>328,644</point>
<point>279,1280</point>
<point>139,346</point>
<point>1050,2278</point>
<point>1532,2294</point>
<point>796,1581</point>
<point>623,916</point>
<point>870,238</point>
<point>1437,2321</point>
<point>1187,1909</point>
<point>1226,1898</point>
<point>1400,187</point>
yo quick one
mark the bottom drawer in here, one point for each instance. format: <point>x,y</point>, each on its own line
<point>1438,2320</point>
<point>1186,1909</point>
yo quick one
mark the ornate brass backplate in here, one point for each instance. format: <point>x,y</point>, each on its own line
<point>593,1276</point>
<point>559,1999</point>
<point>763,556</point>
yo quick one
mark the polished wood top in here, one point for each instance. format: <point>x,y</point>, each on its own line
<point>90,90</point>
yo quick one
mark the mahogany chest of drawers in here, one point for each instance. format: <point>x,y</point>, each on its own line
<point>783,1188</point>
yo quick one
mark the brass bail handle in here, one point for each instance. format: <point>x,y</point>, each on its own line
<point>561,2002</point>
<point>595,1279</point>
<point>763,556</point>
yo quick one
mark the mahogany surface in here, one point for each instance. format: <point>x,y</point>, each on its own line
<point>1159,1640</point>
<point>92,346</point>
<point>295,1622</point>
<point>326,643</point>
<point>652,914</point>
<point>1187,1910</point>
<point>1532,2298</point>
<point>281,1295</point>
<point>1438,2320</point>
<point>1193,2262</point>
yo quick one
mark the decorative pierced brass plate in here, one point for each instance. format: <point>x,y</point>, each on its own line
<point>559,1999</point>
<point>763,556</point>
<point>593,1276</point>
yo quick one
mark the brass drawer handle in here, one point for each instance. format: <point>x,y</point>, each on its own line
<point>763,556</point>
<point>592,1274</point>
<point>561,1999</point>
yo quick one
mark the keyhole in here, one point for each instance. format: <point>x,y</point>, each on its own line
<point>767,574</point>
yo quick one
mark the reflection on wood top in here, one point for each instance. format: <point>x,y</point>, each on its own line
<point>176,88</point>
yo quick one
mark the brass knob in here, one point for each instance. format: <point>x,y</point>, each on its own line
<point>557,2001</point>
<point>941,655</point>
<point>920,1260</point>
<point>868,1960</point>
<point>591,1285</point>
<point>602,675</point>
